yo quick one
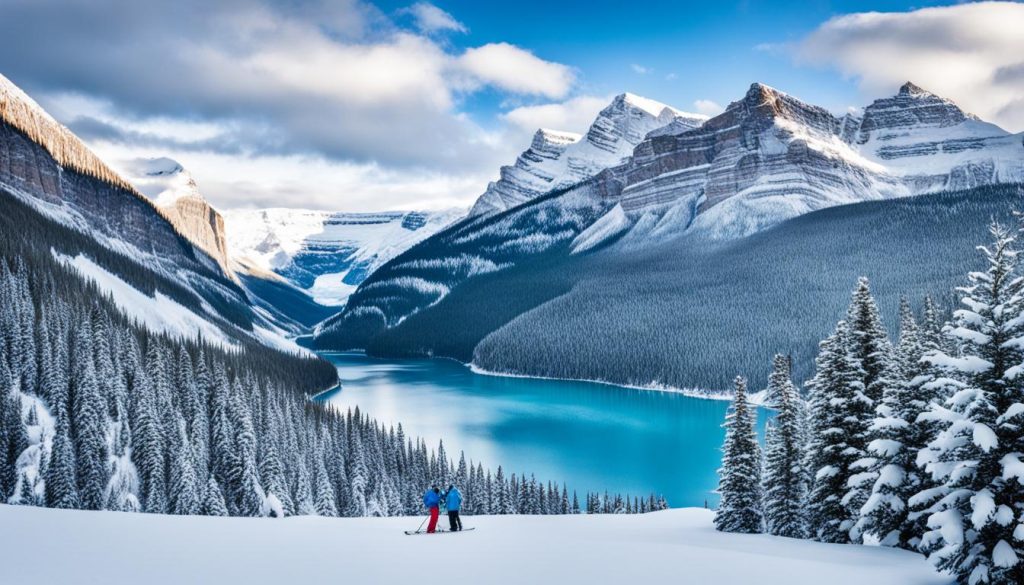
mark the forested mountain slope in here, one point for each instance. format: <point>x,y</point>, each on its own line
<point>767,159</point>
<point>95,221</point>
<point>691,313</point>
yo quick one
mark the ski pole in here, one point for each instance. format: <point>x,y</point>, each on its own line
<point>422,523</point>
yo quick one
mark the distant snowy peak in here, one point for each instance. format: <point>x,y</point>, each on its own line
<point>174,192</point>
<point>931,144</point>
<point>328,254</point>
<point>912,108</point>
<point>558,159</point>
<point>162,179</point>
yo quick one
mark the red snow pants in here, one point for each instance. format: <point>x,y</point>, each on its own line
<point>433,520</point>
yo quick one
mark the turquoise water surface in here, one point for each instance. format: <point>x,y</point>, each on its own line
<point>592,436</point>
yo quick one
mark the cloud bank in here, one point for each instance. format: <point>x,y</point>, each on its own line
<point>294,85</point>
<point>970,53</point>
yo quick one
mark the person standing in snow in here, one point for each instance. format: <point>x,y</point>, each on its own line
<point>452,503</point>
<point>431,499</point>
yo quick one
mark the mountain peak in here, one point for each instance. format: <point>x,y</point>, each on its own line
<point>911,89</point>
<point>763,91</point>
<point>162,179</point>
<point>647,105</point>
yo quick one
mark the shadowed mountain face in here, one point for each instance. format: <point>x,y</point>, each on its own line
<point>767,159</point>
<point>45,167</point>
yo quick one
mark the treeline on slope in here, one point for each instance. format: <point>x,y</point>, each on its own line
<point>686,313</point>
<point>28,231</point>
<point>98,413</point>
<point>915,444</point>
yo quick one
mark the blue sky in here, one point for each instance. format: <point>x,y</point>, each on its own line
<point>358,105</point>
<point>674,52</point>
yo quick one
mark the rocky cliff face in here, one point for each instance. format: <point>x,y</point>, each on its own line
<point>174,191</point>
<point>45,166</point>
<point>556,160</point>
<point>768,157</point>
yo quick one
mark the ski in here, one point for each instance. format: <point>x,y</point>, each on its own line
<point>412,532</point>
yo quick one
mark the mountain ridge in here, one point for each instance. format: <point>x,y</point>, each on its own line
<point>767,158</point>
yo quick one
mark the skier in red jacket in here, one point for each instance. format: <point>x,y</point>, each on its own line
<point>431,499</point>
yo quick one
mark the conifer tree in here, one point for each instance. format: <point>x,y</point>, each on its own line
<point>61,491</point>
<point>870,348</point>
<point>148,449</point>
<point>838,415</point>
<point>88,422</point>
<point>739,478</point>
<point>784,476</point>
<point>185,487</point>
<point>978,523</point>
<point>897,438</point>
<point>213,500</point>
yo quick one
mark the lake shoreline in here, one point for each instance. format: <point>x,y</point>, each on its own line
<point>756,398</point>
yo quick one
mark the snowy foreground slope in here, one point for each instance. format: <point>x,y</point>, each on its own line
<point>678,546</point>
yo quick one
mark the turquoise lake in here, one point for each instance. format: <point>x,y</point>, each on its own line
<point>591,436</point>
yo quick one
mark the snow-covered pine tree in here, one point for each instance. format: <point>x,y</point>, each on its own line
<point>61,490</point>
<point>185,488</point>
<point>501,496</point>
<point>977,526</point>
<point>10,421</point>
<point>739,478</point>
<point>897,438</point>
<point>244,473</point>
<point>870,347</point>
<point>213,499</point>
<point>302,493</point>
<point>838,412</point>
<point>778,382</point>
<point>784,477</point>
<point>324,493</point>
<point>88,422</point>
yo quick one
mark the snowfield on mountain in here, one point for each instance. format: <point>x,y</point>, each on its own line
<point>679,545</point>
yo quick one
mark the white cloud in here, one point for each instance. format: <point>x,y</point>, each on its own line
<point>574,115</point>
<point>516,70</point>
<point>430,18</point>
<point>970,53</point>
<point>318,103</point>
<point>640,69</point>
<point>708,107</point>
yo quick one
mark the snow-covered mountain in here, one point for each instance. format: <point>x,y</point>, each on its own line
<point>95,222</point>
<point>770,157</point>
<point>767,158</point>
<point>174,191</point>
<point>558,159</point>
<point>328,254</point>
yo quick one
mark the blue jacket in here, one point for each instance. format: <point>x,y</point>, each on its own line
<point>453,501</point>
<point>431,499</point>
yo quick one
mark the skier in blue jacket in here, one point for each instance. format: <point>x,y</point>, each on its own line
<point>431,499</point>
<point>452,503</point>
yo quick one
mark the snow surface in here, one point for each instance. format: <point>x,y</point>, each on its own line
<point>675,546</point>
<point>159,313</point>
<point>608,226</point>
<point>270,239</point>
